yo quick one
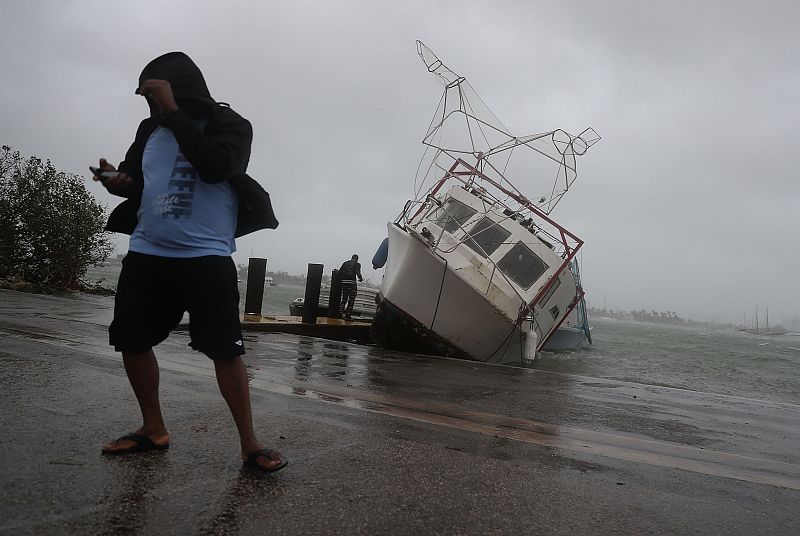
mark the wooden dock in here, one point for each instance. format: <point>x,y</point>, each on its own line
<point>325,328</point>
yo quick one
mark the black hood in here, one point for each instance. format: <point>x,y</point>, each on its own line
<point>183,75</point>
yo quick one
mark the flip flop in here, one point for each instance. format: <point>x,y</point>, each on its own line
<point>252,460</point>
<point>143,444</point>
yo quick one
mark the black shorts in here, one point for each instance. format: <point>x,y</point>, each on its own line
<point>154,292</point>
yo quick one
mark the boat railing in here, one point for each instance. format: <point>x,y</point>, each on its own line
<point>570,242</point>
<point>567,243</point>
<point>564,243</point>
<point>552,238</point>
<point>526,308</point>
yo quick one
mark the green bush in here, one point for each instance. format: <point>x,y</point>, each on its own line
<point>51,228</point>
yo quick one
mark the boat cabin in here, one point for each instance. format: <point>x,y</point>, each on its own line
<point>499,252</point>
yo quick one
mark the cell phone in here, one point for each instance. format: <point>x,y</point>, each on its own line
<point>102,174</point>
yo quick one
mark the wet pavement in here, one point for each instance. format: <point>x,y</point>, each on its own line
<point>378,442</point>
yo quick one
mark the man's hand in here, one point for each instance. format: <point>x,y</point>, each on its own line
<point>119,183</point>
<point>161,92</point>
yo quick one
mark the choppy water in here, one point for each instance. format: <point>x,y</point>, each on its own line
<point>716,361</point>
<point>276,299</point>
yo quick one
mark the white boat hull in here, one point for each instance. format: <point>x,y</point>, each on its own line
<point>429,308</point>
<point>566,339</point>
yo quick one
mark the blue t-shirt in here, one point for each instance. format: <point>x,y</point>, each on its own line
<point>180,215</point>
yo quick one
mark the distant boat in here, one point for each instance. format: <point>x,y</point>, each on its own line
<point>768,331</point>
<point>773,331</point>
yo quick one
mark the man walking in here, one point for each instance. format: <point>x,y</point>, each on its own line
<point>188,197</point>
<point>348,273</point>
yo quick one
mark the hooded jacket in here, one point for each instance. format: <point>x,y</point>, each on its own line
<point>218,151</point>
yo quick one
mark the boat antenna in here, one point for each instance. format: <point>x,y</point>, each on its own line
<point>464,128</point>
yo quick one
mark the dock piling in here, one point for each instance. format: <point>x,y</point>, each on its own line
<point>311,300</point>
<point>254,294</point>
<point>335,295</point>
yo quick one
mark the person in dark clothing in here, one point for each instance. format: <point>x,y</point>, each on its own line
<point>188,197</point>
<point>348,273</point>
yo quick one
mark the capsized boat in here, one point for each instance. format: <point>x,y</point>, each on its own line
<point>475,269</point>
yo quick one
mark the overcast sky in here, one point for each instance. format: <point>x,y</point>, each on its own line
<point>689,203</point>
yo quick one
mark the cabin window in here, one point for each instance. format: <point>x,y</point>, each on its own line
<point>452,215</point>
<point>552,290</point>
<point>522,265</point>
<point>486,237</point>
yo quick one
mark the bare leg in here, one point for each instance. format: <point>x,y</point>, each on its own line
<point>351,300</point>
<point>232,381</point>
<point>343,302</point>
<point>142,370</point>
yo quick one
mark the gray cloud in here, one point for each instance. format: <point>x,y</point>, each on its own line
<point>689,202</point>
